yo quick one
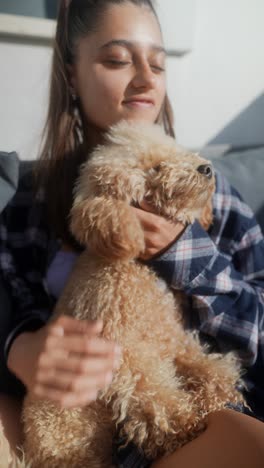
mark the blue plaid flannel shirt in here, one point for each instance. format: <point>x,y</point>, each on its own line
<point>221,271</point>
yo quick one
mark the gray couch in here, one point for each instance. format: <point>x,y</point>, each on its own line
<point>9,174</point>
<point>244,168</point>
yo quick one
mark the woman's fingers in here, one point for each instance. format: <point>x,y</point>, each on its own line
<point>159,233</point>
<point>89,346</point>
<point>74,362</point>
<point>148,220</point>
<point>65,324</point>
<point>80,344</point>
<point>64,355</point>
<point>69,382</point>
<point>75,367</point>
<point>79,364</point>
<point>69,389</point>
<point>66,400</point>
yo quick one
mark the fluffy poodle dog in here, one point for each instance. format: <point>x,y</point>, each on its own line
<point>8,459</point>
<point>167,383</point>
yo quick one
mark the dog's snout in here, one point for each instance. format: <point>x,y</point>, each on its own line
<point>205,169</point>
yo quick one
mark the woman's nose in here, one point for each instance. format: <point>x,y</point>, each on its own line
<point>144,77</point>
<point>205,169</point>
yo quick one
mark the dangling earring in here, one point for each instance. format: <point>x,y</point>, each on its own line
<point>75,111</point>
<point>73,96</point>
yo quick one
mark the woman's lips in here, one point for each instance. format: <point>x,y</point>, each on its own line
<point>139,103</point>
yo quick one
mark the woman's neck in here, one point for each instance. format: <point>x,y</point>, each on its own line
<point>93,136</point>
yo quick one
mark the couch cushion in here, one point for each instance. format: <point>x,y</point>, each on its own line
<point>9,169</point>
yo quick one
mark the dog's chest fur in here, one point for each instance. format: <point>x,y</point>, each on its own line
<point>142,308</point>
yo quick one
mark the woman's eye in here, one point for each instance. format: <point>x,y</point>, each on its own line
<point>157,68</point>
<point>117,62</point>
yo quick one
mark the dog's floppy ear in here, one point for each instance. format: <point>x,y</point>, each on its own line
<point>101,217</point>
<point>108,227</point>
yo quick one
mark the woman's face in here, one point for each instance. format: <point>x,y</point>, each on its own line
<point>119,72</point>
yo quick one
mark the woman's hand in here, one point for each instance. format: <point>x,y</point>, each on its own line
<point>159,233</point>
<point>65,361</point>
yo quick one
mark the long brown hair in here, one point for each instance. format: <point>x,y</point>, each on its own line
<point>64,141</point>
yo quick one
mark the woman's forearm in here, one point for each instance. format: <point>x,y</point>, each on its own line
<point>20,355</point>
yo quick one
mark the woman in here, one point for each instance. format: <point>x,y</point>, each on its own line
<point>109,64</point>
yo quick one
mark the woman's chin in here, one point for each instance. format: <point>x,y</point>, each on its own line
<point>140,114</point>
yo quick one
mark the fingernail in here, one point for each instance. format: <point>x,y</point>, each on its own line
<point>94,395</point>
<point>108,377</point>
<point>58,331</point>
<point>116,363</point>
<point>99,324</point>
<point>117,351</point>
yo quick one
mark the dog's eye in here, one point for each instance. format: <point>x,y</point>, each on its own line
<point>157,168</point>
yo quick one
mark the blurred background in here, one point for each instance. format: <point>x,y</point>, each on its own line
<point>35,8</point>
<point>215,71</point>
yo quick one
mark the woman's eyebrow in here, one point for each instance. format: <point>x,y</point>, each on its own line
<point>130,44</point>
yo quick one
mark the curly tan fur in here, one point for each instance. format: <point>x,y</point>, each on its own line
<point>8,459</point>
<point>167,382</point>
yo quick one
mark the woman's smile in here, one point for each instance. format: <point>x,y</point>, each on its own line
<point>139,102</point>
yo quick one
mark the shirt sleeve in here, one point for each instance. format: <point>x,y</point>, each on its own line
<point>24,243</point>
<point>222,271</point>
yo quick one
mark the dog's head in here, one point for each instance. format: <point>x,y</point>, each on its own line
<point>138,161</point>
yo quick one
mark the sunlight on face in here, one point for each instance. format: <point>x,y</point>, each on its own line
<point>119,72</point>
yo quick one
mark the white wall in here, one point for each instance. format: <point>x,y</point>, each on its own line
<point>23,96</point>
<point>209,87</point>
<point>224,72</point>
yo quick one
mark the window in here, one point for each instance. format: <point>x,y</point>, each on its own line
<point>36,8</point>
<point>28,19</point>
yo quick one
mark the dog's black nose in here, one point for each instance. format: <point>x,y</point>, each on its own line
<point>206,170</point>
